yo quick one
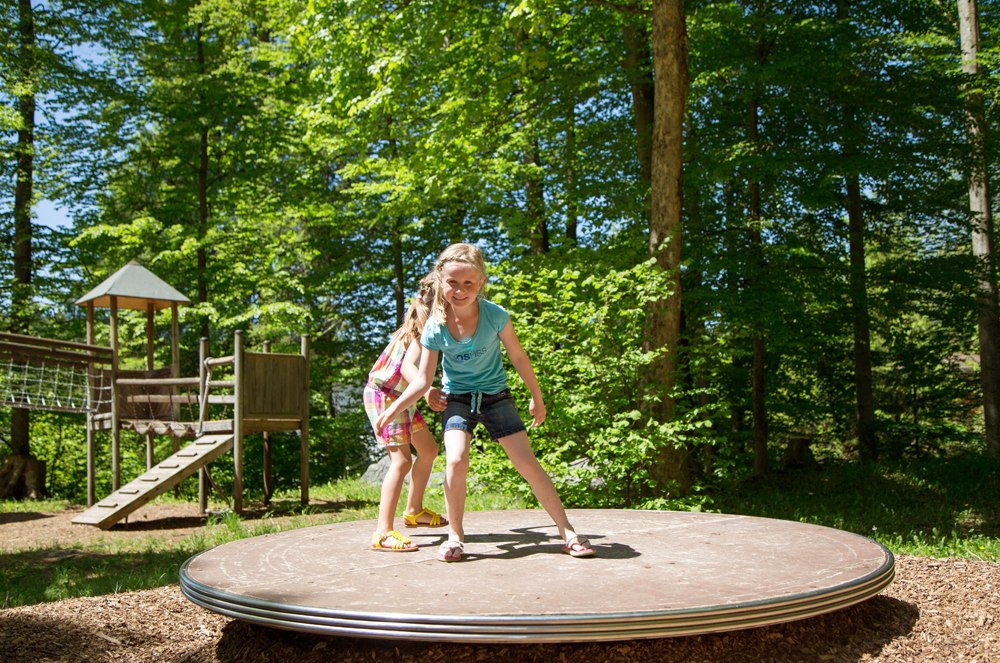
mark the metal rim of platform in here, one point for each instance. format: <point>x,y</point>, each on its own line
<point>538,628</point>
<point>541,629</point>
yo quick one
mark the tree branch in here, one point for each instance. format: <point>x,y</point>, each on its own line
<point>629,8</point>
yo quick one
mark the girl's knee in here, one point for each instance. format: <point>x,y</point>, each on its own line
<point>458,461</point>
<point>424,444</point>
<point>429,453</point>
<point>400,461</point>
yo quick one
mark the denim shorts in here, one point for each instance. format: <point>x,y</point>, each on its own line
<point>497,412</point>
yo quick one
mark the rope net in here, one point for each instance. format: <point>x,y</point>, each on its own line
<point>65,387</point>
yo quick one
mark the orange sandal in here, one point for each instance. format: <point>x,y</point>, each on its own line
<point>392,541</point>
<point>410,520</point>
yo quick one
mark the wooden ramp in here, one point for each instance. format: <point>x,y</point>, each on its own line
<point>156,481</point>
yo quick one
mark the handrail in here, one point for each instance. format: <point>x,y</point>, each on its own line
<point>54,343</point>
<point>23,349</point>
<point>157,382</point>
<point>218,361</point>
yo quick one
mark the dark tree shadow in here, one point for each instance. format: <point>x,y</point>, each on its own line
<point>154,524</point>
<point>254,511</point>
<point>22,517</point>
<point>28,639</point>
<point>525,541</point>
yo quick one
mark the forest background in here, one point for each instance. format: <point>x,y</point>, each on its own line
<point>294,167</point>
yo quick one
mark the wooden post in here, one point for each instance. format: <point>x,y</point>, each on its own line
<point>268,472</point>
<point>175,352</point>
<point>238,404</point>
<point>91,433</point>
<point>202,404</point>
<point>150,364</point>
<point>304,429</point>
<point>116,431</point>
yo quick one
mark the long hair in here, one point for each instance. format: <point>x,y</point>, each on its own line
<point>420,309</point>
<point>464,253</point>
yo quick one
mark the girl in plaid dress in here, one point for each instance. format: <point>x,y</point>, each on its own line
<point>388,379</point>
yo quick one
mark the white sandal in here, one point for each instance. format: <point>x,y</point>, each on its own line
<point>451,551</point>
<point>578,546</point>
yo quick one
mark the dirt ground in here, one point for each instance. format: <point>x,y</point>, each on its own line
<point>935,610</point>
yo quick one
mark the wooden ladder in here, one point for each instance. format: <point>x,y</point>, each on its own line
<point>156,481</point>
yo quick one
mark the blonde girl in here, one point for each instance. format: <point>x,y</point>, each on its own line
<point>468,331</point>
<point>389,377</point>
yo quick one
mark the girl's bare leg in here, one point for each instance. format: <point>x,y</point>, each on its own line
<point>392,485</point>
<point>456,446</point>
<point>518,448</point>
<point>427,450</point>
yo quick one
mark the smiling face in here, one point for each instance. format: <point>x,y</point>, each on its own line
<point>460,284</point>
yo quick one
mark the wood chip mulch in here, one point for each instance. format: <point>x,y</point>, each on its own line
<point>935,610</point>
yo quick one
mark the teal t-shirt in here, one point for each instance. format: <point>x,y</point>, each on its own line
<point>475,363</point>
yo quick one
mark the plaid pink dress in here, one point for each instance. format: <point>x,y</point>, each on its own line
<point>385,384</point>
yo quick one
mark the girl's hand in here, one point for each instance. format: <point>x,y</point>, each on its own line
<point>537,410</point>
<point>383,419</point>
<point>436,399</point>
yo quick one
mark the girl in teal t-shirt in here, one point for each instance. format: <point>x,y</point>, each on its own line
<point>467,332</point>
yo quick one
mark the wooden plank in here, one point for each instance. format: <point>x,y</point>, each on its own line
<point>158,480</point>
<point>225,425</point>
<point>181,399</point>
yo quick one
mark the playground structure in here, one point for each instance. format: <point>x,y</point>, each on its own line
<point>232,397</point>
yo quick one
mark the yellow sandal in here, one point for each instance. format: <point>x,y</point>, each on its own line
<point>392,541</point>
<point>410,520</point>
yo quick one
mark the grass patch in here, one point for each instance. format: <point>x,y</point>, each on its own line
<point>118,564</point>
<point>947,507</point>
<point>941,507</point>
<point>52,575</point>
<point>33,506</point>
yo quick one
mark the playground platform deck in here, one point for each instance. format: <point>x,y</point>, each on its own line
<point>656,574</point>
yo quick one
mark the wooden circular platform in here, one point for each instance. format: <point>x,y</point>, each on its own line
<point>656,574</point>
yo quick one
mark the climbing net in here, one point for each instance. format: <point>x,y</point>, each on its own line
<point>62,387</point>
<point>41,374</point>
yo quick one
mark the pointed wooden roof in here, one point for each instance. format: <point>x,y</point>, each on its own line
<point>135,287</point>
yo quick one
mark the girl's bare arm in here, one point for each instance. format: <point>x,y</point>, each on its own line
<point>410,368</point>
<point>519,360</point>
<point>413,391</point>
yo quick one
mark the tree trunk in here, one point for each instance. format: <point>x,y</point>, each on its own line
<point>758,371</point>
<point>22,478</point>
<point>203,166</point>
<point>670,469</point>
<point>396,244</point>
<point>21,474</point>
<point>863,390</point>
<point>398,273</point>
<point>569,170</point>
<point>639,72</point>
<point>982,227</point>
<point>535,200</point>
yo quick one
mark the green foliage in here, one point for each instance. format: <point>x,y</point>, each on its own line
<point>294,167</point>
<point>583,324</point>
